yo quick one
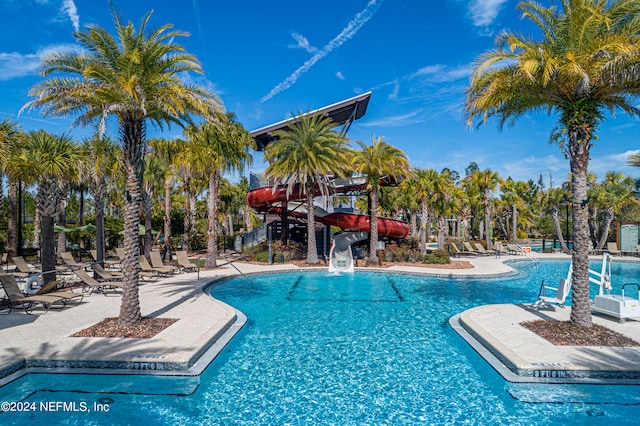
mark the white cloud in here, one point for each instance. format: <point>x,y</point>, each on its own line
<point>340,76</point>
<point>302,43</point>
<point>69,7</point>
<point>484,12</point>
<point>441,73</point>
<point>14,64</point>
<point>346,34</point>
<point>410,118</point>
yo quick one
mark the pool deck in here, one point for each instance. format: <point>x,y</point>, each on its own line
<point>41,342</point>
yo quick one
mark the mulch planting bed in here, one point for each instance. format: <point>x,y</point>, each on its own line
<point>565,333</point>
<point>110,327</point>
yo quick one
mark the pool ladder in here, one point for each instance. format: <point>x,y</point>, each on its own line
<point>234,267</point>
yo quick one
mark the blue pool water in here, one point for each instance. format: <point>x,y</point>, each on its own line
<point>366,348</point>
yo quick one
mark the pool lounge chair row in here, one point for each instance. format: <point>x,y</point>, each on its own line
<point>469,250</point>
<point>158,268</point>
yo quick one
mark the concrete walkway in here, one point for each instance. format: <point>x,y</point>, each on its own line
<point>30,343</point>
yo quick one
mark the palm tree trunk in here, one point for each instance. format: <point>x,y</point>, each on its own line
<point>413,223</point>
<point>147,207</point>
<point>36,229</point>
<point>487,219</point>
<point>442,231</point>
<point>248,225</point>
<point>312,247</point>
<point>373,226</point>
<point>579,160</point>
<point>12,230</point>
<point>47,200</point>
<point>187,213</point>
<point>167,219</point>
<point>81,213</point>
<point>556,223</point>
<point>133,140</point>
<point>608,219</point>
<point>424,218</point>
<point>515,224</point>
<point>98,205</point>
<point>212,227</point>
<point>62,218</point>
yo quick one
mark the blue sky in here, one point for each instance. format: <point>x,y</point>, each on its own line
<point>268,59</point>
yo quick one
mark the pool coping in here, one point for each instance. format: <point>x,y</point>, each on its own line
<point>519,364</point>
<point>200,361</point>
<point>209,349</point>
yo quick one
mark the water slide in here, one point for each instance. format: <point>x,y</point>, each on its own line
<point>265,199</point>
<point>340,257</point>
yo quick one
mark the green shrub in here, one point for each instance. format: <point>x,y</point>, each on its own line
<point>278,257</point>
<point>437,257</point>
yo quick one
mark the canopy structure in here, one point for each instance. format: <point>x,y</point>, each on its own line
<point>343,113</point>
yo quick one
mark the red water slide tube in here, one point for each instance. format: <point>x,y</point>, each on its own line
<point>263,199</point>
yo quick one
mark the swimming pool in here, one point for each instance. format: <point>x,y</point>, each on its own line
<point>367,348</point>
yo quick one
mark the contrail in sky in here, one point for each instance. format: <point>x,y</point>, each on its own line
<point>349,31</point>
<point>71,10</point>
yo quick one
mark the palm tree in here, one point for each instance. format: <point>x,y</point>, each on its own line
<point>9,145</point>
<point>443,202</point>
<point>586,63</point>
<point>611,196</point>
<point>306,155</point>
<point>218,148</point>
<point>378,161</point>
<point>486,181</point>
<point>136,78</point>
<point>100,165</point>
<point>166,150</point>
<point>50,160</point>
<point>185,161</point>
<point>421,185</point>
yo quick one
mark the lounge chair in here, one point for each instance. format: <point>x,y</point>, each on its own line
<point>51,289</point>
<point>23,269</point>
<point>469,248</point>
<point>513,249</point>
<point>69,260</point>
<point>104,274</point>
<point>457,252</point>
<point>156,262</point>
<point>107,262</point>
<point>17,298</point>
<point>95,285</point>
<point>612,248</point>
<point>146,267</point>
<point>483,251</point>
<point>184,262</point>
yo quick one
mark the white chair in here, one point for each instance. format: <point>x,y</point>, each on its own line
<point>561,293</point>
